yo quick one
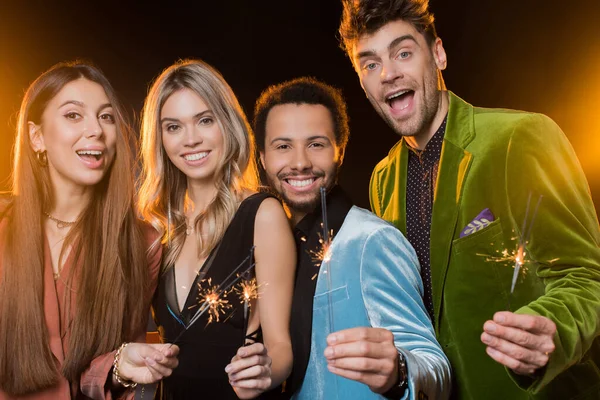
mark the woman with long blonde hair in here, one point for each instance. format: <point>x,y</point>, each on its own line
<point>76,279</point>
<point>199,190</point>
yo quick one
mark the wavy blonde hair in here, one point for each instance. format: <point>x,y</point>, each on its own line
<point>163,186</point>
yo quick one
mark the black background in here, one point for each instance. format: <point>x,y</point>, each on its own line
<point>534,55</point>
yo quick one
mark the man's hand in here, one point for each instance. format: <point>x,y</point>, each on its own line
<point>250,371</point>
<point>366,355</point>
<point>523,343</point>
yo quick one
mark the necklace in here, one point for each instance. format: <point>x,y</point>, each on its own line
<point>60,223</point>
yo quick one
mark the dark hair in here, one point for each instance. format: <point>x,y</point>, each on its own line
<point>363,17</point>
<point>109,267</point>
<point>305,90</point>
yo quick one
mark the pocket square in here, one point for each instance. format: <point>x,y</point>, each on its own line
<point>482,220</point>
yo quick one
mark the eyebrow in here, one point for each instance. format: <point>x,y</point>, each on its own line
<point>308,139</point>
<point>393,43</point>
<point>81,104</point>
<point>199,115</point>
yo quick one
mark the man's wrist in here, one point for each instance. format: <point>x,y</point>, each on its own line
<point>399,389</point>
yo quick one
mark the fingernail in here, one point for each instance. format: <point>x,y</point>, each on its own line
<point>328,352</point>
<point>500,318</point>
<point>150,361</point>
<point>332,339</point>
<point>490,327</point>
<point>485,338</point>
<point>228,368</point>
<point>242,353</point>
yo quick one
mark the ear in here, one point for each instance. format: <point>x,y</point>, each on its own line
<point>262,159</point>
<point>35,137</point>
<point>439,54</point>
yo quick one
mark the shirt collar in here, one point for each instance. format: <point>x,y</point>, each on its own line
<point>338,205</point>
<point>433,148</point>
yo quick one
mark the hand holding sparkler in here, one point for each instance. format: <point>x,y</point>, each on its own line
<point>520,342</point>
<point>250,371</point>
<point>147,363</point>
<point>364,354</point>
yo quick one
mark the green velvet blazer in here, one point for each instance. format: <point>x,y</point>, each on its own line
<point>494,158</point>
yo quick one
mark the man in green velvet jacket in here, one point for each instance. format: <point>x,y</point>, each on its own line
<point>464,185</point>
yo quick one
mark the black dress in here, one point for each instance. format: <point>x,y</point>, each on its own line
<point>207,348</point>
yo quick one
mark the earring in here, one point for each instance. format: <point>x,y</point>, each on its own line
<point>42,158</point>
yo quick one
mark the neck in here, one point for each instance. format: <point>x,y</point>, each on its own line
<point>420,140</point>
<point>69,201</point>
<point>200,195</point>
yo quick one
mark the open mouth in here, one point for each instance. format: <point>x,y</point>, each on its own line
<point>90,155</point>
<point>401,100</point>
<point>300,183</point>
<point>196,156</point>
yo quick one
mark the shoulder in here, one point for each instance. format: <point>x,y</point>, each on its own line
<point>375,231</point>
<point>152,242</point>
<point>270,210</point>
<point>508,124</point>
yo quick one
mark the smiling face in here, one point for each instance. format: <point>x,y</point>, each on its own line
<point>79,134</point>
<point>399,72</point>
<point>300,154</point>
<point>191,135</point>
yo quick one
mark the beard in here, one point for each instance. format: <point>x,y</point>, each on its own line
<point>423,117</point>
<point>309,201</point>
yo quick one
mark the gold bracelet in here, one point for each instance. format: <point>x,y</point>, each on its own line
<point>124,382</point>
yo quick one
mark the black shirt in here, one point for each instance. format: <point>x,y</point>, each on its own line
<point>421,179</point>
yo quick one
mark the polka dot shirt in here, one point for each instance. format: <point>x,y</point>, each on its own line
<point>421,178</point>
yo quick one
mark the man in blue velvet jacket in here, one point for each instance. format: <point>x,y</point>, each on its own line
<point>359,327</point>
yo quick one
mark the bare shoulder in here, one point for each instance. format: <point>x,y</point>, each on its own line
<point>270,211</point>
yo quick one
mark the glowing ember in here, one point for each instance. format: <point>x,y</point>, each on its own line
<point>209,298</point>
<point>247,290</point>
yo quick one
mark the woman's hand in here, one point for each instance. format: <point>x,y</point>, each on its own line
<point>147,363</point>
<point>250,371</point>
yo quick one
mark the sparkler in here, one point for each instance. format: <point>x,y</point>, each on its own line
<point>326,253</point>
<point>246,295</point>
<point>525,233</point>
<point>213,297</point>
<point>216,303</point>
<point>519,255</point>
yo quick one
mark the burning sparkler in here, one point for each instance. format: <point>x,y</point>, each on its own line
<point>518,257</point>
<point>213,298</point>
<point>215,302</point>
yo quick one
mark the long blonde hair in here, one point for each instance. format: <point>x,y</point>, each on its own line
<point>163,187</point>
<point>109,262</point>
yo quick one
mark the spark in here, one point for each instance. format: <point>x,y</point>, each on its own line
<point>210,298</point>
<point>247,290</point>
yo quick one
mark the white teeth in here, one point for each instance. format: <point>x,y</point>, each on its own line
<point>90,152</point>
<point>196,156</point>
<point>299,184</point>
<point>397,94</point>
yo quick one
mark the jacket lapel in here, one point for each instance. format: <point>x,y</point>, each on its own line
<point>452,171</point>
<point>396,210</point>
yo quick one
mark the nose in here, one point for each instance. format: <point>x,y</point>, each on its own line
<point>390,71</point>
<point>192,137</point>
<point>300,160</point>
<point>93,128</point>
